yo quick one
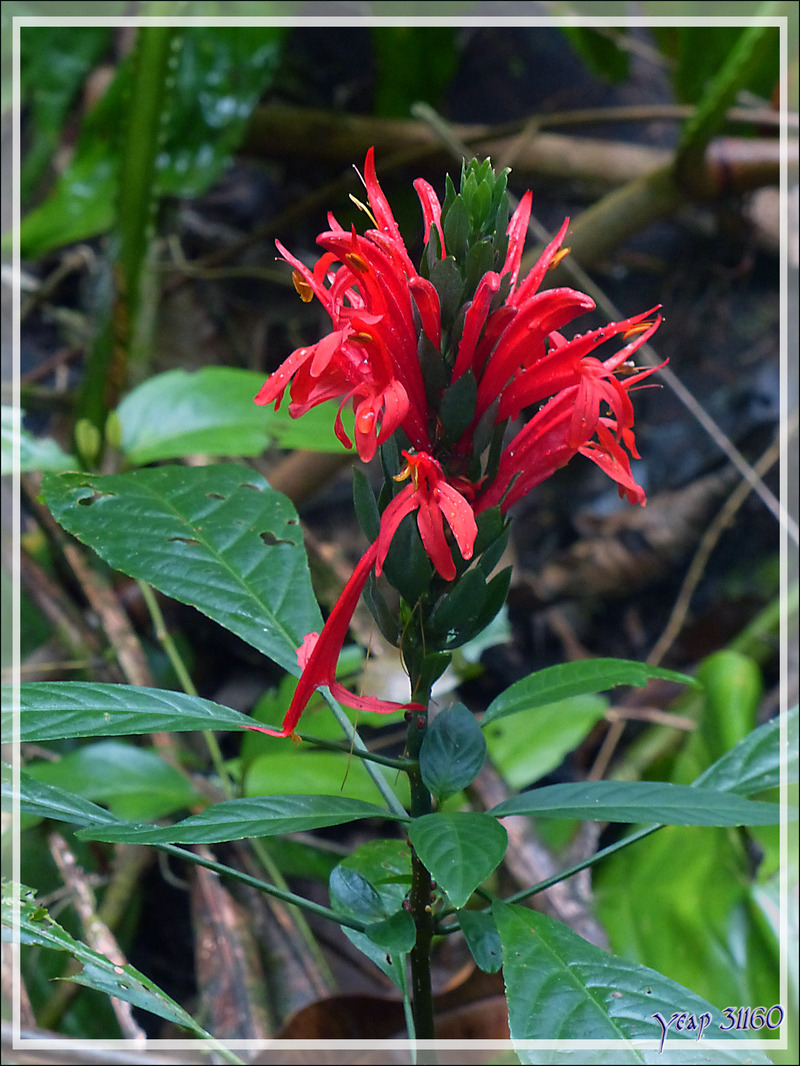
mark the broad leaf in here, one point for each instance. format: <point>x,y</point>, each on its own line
<point>240,818</point>
<point>461,850</point>
<point>133,782</point>
<point>395,935</point>
<point>529,746</point>
<point>52,710</point>
<point>452,752</point>
<point>574,679</point>
<point>559,987</point>
<point>639,801</point>
<point>124,982</point>
<point>216,537</point>
<point>211,412</point>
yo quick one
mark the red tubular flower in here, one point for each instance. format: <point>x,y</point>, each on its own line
<point>434,498</point>
<point>373,295</point>
<point>319,654</point>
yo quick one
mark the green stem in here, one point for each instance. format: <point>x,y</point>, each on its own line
<point>263,886</point>
<point>360,748</point>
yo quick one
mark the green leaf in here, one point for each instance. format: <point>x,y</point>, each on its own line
<point>52,710</point>
<point>385,866</point>
<point>536,743</point>
<point>395,935</point>
<point>219,75</point>
<point>414,63</point>
<point>34,453</point>
<point>47,801</point>
<point>732,686</point>
<point>289,770</point>
<point>483,940</point>
<point>133,782</point>
<point>575,679</point>
<point>754,764</point>
<point>460,850</point>
<point>639,801</point>
<point>236,819</point>
<point>211,412</point>
<point>355,895</point>
<point>559,987</point>
<point>452,753</point>
<point>216,537</point>
<point>124,982</point>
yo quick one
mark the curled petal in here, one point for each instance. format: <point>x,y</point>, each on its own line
<point>431,211</point>
<point>517,231</point>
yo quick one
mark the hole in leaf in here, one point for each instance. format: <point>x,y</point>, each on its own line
<point>271,540</point>
<point>250,485</point>
<point>87,501</point>
<point>291,521</point>
<point>185,540</point>
<point>215,496</point>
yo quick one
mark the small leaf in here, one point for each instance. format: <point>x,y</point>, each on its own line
<point>452,753</point>
<point>483,940</point>
<point>639,801</point>
<point>353,894</point>
<point>458,405</point>
<point>733,686</point>
<point>236,819</point>
<point>395,935</point>
<point>460,850</point>
<point>575,679</point>
<point>198,534</point>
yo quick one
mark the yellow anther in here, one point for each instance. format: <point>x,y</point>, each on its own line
<point>304,290</point>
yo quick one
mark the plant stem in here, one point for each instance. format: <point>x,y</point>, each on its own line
<point>421,885</point>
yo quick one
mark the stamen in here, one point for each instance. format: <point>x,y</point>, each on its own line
<point>357,262</point>
<point>363,207</point>
<point>304,290</point>
<point>634,331</point>
<point>560,254</point>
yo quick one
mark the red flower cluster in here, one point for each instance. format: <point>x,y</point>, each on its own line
<point>380,308</point>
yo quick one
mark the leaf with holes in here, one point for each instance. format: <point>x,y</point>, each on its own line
<point>216,537</point>
<point>460,850</point>
<point>559,987</point>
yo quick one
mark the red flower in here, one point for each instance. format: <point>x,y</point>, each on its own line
<point>433,497</point>
<point>319,654</point>
<point>374,297</point>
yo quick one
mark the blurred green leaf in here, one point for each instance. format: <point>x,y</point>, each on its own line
<point>211,412</point>
<point>133,782</point>
<point>483,940</point>
<point>537,742</point>
<point>54,63</point>
<point>414,63</point>
<point>220,72</point>
<point>599,48</point>
<point>312,772</point>
<point>35,453</point>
